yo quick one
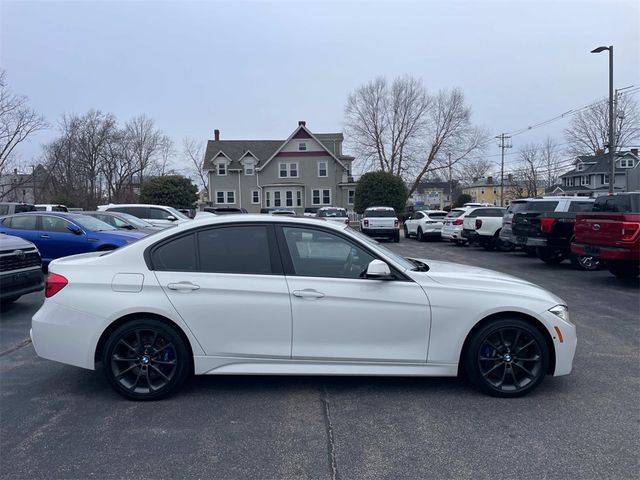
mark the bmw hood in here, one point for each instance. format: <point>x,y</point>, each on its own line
<point>461,276</point>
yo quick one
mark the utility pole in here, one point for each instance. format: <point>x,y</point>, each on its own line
<point>504,142</point>
<point>612,120</point>
<point>450,183</point>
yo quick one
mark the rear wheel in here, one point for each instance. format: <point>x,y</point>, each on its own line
<point>506,358</point>
<point>621,269</point>
<point>585,262</point>
<point>550,255</point>
<point>420,235</point>
<point>146,360</point>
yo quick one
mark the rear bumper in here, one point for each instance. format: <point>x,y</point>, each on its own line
<point>16,284</point>
<point>531,241</point>
<point>381,232</point>
<point>469,234</point>
<point>605,253</point>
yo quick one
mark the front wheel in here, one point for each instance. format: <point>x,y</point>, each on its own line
<point>506,358</point>
<point>146,360</point>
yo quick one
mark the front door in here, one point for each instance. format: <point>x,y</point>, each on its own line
<point>227,285</point>
<point>337,314</point>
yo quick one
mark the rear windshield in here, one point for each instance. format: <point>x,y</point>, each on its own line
<point>379,213</point>
<point>455,213</point>
<point>437,214</point>
<point>615,204</point>
<point>333,212</point>
<point>517,207</point>
<point>548,206</point>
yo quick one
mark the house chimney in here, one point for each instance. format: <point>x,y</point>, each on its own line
<point>634,151</point>
<point>302,123</point>
<point>216,135</point>
<point>489,180</point>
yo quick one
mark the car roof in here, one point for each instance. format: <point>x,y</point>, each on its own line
<point>110,205</point>
<point>65,215</point>
<point>379,208</point>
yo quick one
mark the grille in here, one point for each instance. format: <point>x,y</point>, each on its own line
<point>10,261</point>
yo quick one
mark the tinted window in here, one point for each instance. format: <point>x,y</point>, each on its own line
<point>59,208</point>
<point>55,224</point>
<point>178,255</point>
<point>517,207</point>
<point>24,208</point>
<point>477,213</point>
<point>4,209</point>
<point>580,206</point>
<point>614,204</point>
<point>39,209</point>
<point>140,212</point>
<point>549,206</point>
<point>379,213</point>
<point>159,214</point>
<point>107,219</point>
<point>237,249</point>
<point>437,215</point>
<point>26,222</point>
<point>495,212</point>
<point>454,213</point>
<point>317,253</point>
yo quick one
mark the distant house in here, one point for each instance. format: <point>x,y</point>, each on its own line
<point>435,195</point>
<point>590,174</point>
<point>23,187</point>
<point>487,190</point>
<point>305,170</point>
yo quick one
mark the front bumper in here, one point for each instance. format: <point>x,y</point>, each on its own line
<point>16,284</point>
<point>564,342</point>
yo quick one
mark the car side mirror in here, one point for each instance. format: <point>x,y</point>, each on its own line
<point>74,229</point>
<point>171,218</point>
<point>378,270</point>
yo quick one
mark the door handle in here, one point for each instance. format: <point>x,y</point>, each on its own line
<point>308,293</point>
<point>44,236</point>
<point>188,286</point>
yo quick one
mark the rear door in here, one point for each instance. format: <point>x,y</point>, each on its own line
<point>227,284</point>
<point>23,226</point>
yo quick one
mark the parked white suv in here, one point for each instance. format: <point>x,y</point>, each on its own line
<point>333,214</point>
<point>424,224</point>
<point>156,215</point>
<point>452,226</point>
<point>482,225</point>
<point>380,222</point>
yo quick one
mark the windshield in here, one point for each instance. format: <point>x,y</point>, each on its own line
<point>455,213</point>
<point>135,221</point>
<point>334,212</point>
<point>179,215</point>
<point>379,213</point>
<point>393,255</point>
<point>92,224</point>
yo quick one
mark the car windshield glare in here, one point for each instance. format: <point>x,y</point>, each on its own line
<point>92,224</point>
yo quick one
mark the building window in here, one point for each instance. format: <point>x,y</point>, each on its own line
<point>579,168</point>
<point>626,163</point>
<point>288,197</point>
<point>322,169</point>
<point>495,191</point>
<point>221,167</point>
<point>255,196</point>
<point>298,198</point>
<point>315,197</point>
<point>351,195</point>
<point>288,169</point>
<point>326,197</point>
<point>604,179</point>
<point>277,201</point>
<point>231,197</point>
<point>482,191</point>
<point>226,197</point>
<point>585,180</point>
<point>267,199</point>
<point>302,146</point>
<point>248,168</point>
<point>219,197</point>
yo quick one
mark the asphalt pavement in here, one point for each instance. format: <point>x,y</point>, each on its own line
<point>57,421</point>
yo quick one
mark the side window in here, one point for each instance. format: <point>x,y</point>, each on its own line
<point>178,255</point>
<point>236,249</point>
<point>495,212</point>
<point>581,207</point>
<point>159,214</point>
<point>4,209</point>
<point>140,212</point>
<point>107,219</point>
<point>55,224</point>
<point>316,253</point>
<point>26,222</point>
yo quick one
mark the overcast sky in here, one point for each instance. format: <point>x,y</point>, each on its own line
<point>253,69</point>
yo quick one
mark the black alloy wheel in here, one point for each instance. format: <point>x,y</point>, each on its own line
<point>506,358</point>
<point>145,360</point>
<point>586,262</point>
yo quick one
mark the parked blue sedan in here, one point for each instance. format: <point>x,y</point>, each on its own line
<point>61,234</point>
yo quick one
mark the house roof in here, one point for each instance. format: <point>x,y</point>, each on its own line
<point>263,150</point>
<point>596,164</point>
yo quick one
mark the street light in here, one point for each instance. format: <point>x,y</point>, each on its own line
<point>612,153</point>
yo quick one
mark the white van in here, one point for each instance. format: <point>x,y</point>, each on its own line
<point>157,215</point>
<point>51,207</point>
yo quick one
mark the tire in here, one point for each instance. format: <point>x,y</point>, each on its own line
<point>587,263</point>
<point>146,359</point>
<point>406,232</point>
<point>420,235</point>
<point>551,256</point>
<point>506,358</point>
<point>396,237</point>
<point>622,269</point>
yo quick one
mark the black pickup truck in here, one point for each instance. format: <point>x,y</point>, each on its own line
<point>547,226</point>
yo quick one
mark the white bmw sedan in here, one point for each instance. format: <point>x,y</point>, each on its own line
<point>257,294</point>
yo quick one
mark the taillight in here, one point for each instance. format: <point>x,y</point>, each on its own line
<point>546,224</point>
<point>478,223</point>
<point>630,231</point>
<point>55,283</point>
<point>395,223</point>
<point>366,222</point>
<point>458,221</point>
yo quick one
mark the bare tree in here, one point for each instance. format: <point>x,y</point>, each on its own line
<point>166,153</point>
<point>530,171</point>
<point>145,142</point>
<point>472,169</point>
<point>588,130</point>
<point>17,122</point>
<point>193,152</point>
<point>550,162</point>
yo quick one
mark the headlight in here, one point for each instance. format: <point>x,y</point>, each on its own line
<point>561,311</point>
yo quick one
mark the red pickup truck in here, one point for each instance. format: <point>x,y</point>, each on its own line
<point>612,233</point>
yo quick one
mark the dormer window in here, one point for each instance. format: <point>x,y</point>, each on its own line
<point>580,167</point>
<point>221,167</point>
<point>249,167</point>
<point>626,163</point>
<point>302,146</point>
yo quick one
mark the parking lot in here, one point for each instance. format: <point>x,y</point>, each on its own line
<point>58,421</point>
